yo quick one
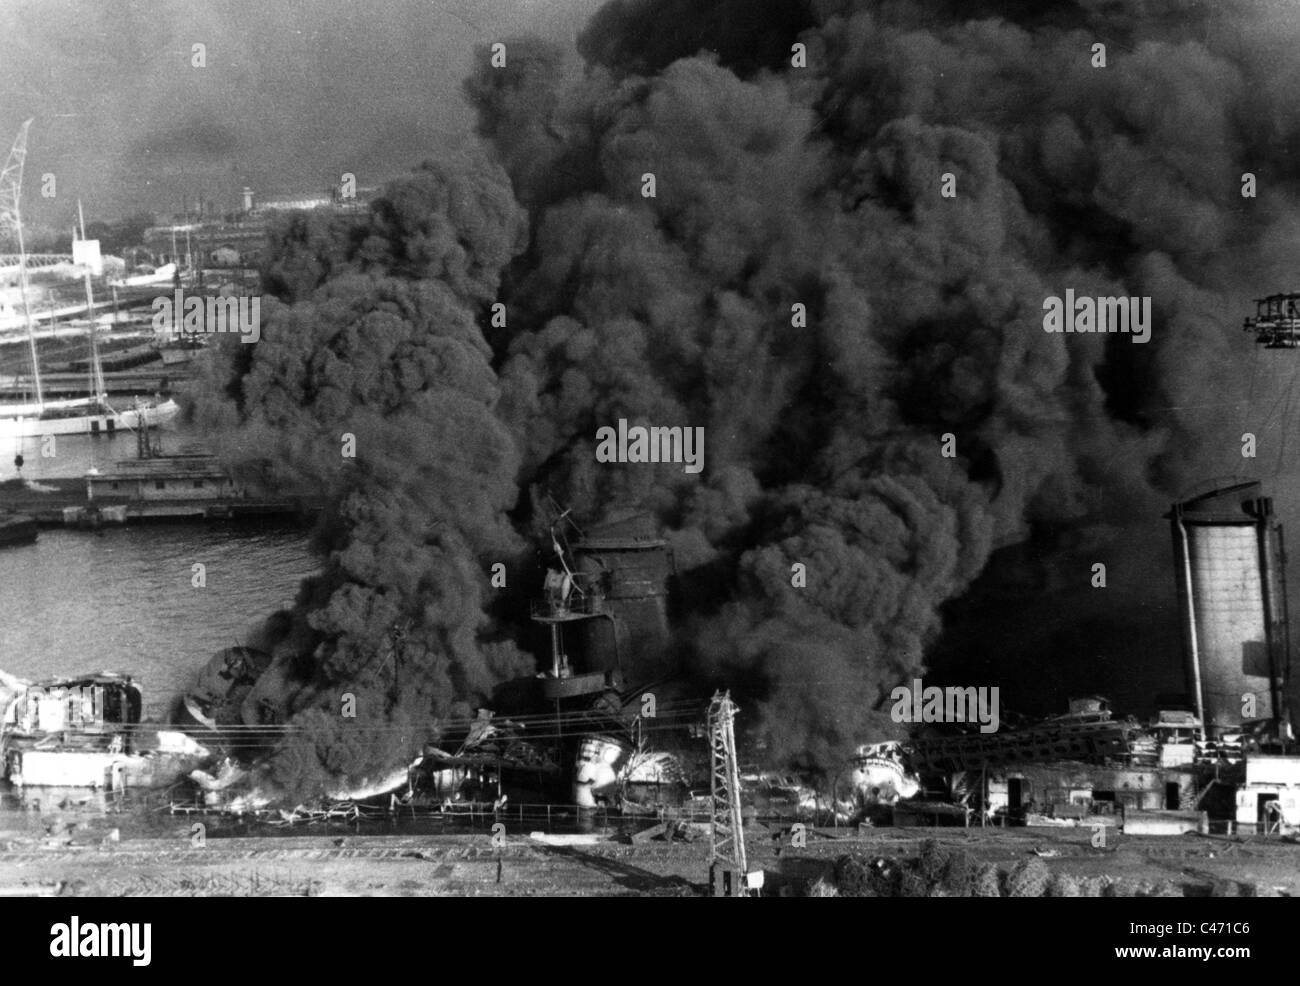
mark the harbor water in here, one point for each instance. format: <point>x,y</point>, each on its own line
<point>69,456</point>
<point>123,599</point>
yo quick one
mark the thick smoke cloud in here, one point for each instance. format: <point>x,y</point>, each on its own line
<point>821,186</point>
<point>780,186</point>
<point>373,343</point>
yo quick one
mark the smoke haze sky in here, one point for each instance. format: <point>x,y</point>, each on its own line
<point>293,93</point>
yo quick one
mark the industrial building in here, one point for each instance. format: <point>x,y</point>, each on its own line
<point>1233,757</point>
<point>1226,761</point>
<point>239,238</point>
<point>1232,603</point>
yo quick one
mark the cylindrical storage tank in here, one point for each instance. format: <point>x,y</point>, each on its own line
<point>1232,604</point>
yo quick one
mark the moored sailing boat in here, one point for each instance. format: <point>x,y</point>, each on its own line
<point>92,415</point>
<point>86,416</point>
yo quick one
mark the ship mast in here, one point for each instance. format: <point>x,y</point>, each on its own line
<point>11,183</point>
<point>96,371</point>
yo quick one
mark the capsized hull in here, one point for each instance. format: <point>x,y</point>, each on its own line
<point>17,529</point>
<point>216,698</point>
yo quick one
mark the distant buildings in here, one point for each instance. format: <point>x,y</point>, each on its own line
<point>183,242</point>
<point>238,239</point>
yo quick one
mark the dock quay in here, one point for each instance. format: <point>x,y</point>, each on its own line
<point>65,503</point>
<point>149,380</point>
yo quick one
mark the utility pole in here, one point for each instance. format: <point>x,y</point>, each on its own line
<point>728,867</point>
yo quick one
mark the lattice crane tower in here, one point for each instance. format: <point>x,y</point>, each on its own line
<point>728,867</point>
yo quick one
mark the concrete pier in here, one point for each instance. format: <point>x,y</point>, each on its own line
<point>63,503</point>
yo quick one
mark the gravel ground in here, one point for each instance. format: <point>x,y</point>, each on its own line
<point>89,861</point>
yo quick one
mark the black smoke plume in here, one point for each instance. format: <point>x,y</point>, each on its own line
<point>369,344</point>
<point>781,186</point>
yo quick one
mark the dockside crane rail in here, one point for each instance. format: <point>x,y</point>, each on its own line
<point>728,867</point>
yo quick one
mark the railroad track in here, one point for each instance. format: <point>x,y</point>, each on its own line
<point>221,851</point>
<point>374,865</point>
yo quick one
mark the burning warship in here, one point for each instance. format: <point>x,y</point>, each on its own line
<point>595,727</point>
<point>609,723</point>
